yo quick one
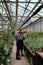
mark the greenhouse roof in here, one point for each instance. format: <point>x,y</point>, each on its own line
<point>20,10</point>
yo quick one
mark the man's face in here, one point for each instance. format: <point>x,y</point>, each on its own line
<point>20,33</point>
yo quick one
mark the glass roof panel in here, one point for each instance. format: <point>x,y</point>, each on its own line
<point>20,14</point>
<point>29,8</point>
<point>41,10</point>
<point>19,17</point>
<point>0,19</point>
<point>41,0</point>
<point>23,19</point>
<point>23,0</point>
<point>20,8</point>
<point>18,20</point>
<point>12,0</point>
<point>13,14</point>
<point>34,0</point>
<point>0,10</point>
<point>22,4</point>
<point>33,19</point>
<point>36,16</point>
<point>26,13</point>
<point>31,5</point>
<point>37,6</point>
<point>4,12</point>
<point>13,4</point>
<point>13,9</point>
<point>35,9</point>
<point>40,14</point>
<point>5,18</point>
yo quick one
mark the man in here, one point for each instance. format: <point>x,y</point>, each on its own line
<point>19,43</point>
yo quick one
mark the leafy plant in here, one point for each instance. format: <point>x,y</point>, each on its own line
<point>35,40</point>
<point>5,47</point>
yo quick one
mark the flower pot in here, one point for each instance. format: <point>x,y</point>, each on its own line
<point>39,49</point>
<point>33,52</point>
<point>30,48</point>
<point>42,49</point>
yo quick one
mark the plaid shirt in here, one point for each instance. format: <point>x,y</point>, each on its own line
<point>17,37</point>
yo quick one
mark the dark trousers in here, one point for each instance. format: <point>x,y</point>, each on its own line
<point>19,47</point>
<point>17,52</point>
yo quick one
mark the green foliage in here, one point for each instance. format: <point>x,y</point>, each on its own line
<point>29,56</point>
<point>35,40</point>
<point>24,31</point>
<point>5,47</point>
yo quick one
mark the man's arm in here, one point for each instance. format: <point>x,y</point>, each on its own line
<point>23,37</point>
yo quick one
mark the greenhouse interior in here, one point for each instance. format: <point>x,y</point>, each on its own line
<point>18,18</point>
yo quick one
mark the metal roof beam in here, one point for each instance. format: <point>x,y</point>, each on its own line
<point>33,22</point>
<point>14,16</point>
<point>19,2</point>
<point>32,9</point>
<point>7,10</point>
<point>25,9</point>
<point>2,17</point>
<point>16,9</point>
<point>34,13</point>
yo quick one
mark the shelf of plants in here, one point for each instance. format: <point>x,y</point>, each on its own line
<point>34,43</point>
<point>6,44</point>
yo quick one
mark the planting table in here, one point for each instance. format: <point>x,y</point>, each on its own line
<point>30,50</point>
<point>35,58</point>
<point>30,55</point>
<point>39,58</point>
<point>40,54</point>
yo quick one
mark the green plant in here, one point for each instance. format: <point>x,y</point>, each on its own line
<point>5,47</point>
<point>35,40</point>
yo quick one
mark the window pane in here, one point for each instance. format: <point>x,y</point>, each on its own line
<point>33,19</point>
<point>23,0</point>
<point>34,0</point>
<point>12,0</point>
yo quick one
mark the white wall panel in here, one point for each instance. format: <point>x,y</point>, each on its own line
<point>41,26</point>
<point>36,27</point>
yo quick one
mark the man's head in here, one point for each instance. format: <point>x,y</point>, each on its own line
<point>20,31</point>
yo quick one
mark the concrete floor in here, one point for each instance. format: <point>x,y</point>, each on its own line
<point>23,60</point>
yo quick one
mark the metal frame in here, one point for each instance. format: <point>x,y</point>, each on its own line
<point>16,9</point>
<point>32,9</point>
<point>19,2</point>
<point>16,2</point>
<point>32,22</point>
<point>25,9</point>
